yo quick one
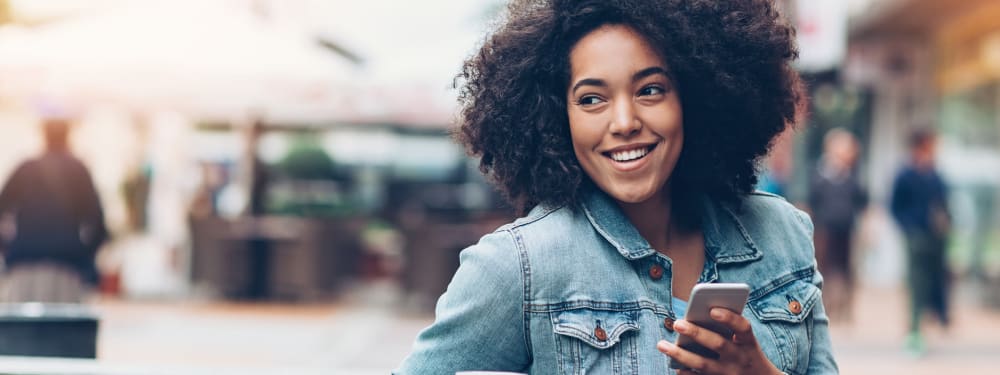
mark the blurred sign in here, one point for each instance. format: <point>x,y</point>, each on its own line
<point>822,34</point>
<point>4,12</point>
<point>990,52</point>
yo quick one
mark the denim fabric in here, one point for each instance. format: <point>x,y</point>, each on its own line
<point>567,291</point>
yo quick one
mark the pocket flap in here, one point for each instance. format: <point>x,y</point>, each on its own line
<point>791,303</point>
<point>598,328</point>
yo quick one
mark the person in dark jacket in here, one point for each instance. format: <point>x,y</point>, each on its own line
<point>920,206</point>
<point>835,199</point>
<point>58,221</point>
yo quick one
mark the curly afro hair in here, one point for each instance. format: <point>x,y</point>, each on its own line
<point>731,61</point>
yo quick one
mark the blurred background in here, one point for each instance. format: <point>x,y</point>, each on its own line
<point>280,192</point>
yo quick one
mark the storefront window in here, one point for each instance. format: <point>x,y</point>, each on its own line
<point>971,117</point>
<point>969,122</point>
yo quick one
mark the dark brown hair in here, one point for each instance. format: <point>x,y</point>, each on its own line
<point>730,59</point>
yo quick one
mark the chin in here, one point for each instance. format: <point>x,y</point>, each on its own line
<point>631,196</point>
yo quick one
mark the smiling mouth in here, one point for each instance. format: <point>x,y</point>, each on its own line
<point>624,156</point>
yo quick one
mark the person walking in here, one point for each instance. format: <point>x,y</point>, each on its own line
<point>920,206</point>
<point>835,200</point>
<point>58,225</point>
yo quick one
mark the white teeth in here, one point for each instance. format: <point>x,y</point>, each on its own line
<point>629,155</point>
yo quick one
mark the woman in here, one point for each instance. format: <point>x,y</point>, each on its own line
<point>629,131</point>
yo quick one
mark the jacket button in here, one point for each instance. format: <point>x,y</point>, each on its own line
<point>795,307</point>
<point>656,272</point>
<point>600,334</point>
<point>668,324</point>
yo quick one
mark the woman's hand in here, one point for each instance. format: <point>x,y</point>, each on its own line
<point>740,354</point>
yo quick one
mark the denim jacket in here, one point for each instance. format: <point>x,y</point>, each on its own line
<point>568,290</point>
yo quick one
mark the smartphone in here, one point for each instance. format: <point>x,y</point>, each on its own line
<point>705,297</point>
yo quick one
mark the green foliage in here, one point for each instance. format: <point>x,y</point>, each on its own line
<point>309,183</point>
<point>307,161</point>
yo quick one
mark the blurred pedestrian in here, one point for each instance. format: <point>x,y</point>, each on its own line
<point>58,225</point>
<point>628,133</point>
<point>920,206</point>
<point>835,199</point>
<point>257,170</point>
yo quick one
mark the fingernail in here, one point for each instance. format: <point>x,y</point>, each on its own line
<point>665,346</point>
<point>717,313</point>
<point>681,326</point>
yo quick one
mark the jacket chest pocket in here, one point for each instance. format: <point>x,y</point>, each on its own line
<point>596,341</point>
<point>786,315</point>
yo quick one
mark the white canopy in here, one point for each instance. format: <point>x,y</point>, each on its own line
<point>204,58</point>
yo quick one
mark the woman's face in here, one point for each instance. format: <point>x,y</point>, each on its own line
<point>624,114</point>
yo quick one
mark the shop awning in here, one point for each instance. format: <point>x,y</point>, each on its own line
<point>908,18</point>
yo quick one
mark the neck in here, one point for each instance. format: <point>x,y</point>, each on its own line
<point>56,145</point>
<point>652,218</point>
<point>923,164</point>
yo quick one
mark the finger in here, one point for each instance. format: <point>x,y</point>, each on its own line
<point>742,331</point>
<point>705,337</point>
<point>690,360</point>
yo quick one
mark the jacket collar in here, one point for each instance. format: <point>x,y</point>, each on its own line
<point>726,239</point>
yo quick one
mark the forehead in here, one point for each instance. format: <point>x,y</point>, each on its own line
<point>610,48</point>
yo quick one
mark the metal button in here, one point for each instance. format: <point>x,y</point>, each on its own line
<point>656,272</point>
<point>600,334</point>
<point>668,324</point>
<point>795,307</point>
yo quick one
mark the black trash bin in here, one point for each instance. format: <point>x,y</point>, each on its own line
<point>48,330</point>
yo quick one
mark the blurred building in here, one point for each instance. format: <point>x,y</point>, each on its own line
<point>354,114</point>
<point>935,63</point>
<point>880,68</point>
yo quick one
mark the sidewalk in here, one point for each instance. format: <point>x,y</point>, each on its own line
<point>367,334</point>
<point>361,335</point>
<point>874,343</point>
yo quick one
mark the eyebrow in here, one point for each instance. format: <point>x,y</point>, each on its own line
<point>653,70</point>
<point>589,82</point>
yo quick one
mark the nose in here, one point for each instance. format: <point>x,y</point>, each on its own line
<point>625,122</point>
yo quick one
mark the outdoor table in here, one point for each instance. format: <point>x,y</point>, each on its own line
<point>48,330</point>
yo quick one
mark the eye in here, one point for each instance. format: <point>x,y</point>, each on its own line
<point>589,100</point>
<point>652,90</point>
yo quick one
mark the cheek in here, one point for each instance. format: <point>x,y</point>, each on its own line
<point>673,121</point>
<point>584,133</point>
<point>666,120</point>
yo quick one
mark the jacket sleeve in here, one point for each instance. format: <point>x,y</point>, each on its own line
<point>94,231</point>
<point>11,191</point>
<point>899,200</point>
<point>821,359</point>
<point>814,193</point>
<point>479,321</point>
